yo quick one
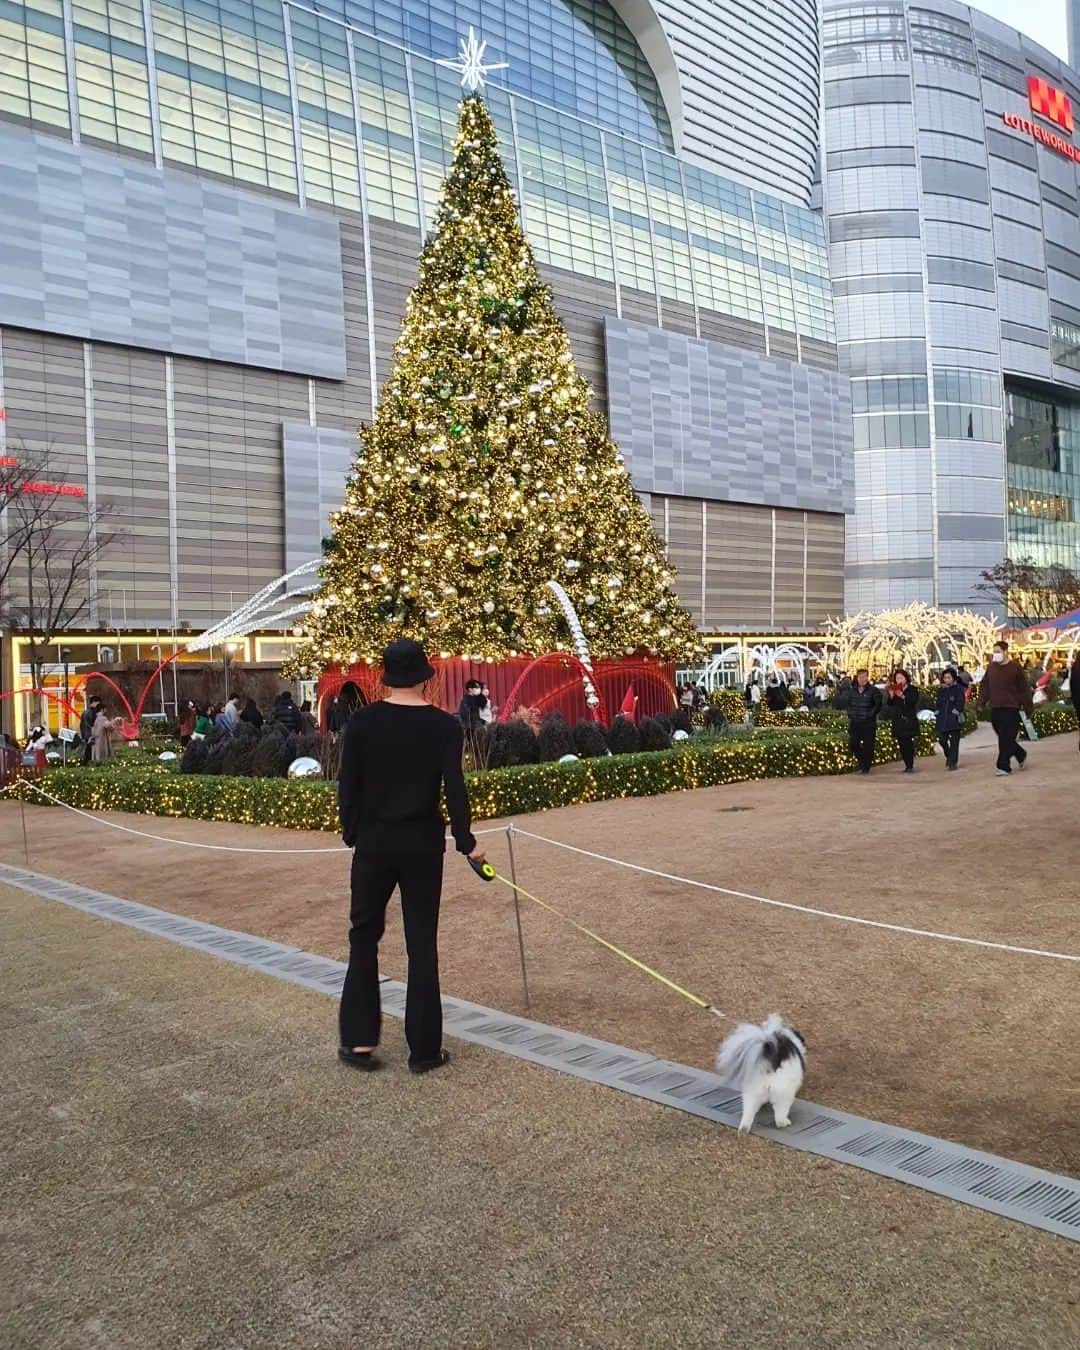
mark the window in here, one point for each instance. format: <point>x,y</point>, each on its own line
<point>33,73</point>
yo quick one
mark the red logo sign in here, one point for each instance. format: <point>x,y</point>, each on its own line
<point>1053,104</point>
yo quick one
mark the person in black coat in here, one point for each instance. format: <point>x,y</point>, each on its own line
<point>776,695</point>
<point>951,698</point>
<point>903,708</point>
<point>400,755</point>
<point>471,705</point>
<point>863,703</point>
<point>251,714</point>
<point>1074,684</point>
<point>285,713</point>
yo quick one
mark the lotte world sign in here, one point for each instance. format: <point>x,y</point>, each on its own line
<point>1056,106</point>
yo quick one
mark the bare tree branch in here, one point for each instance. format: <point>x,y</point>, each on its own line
<point>51,539</point>
<point>1028,592</point>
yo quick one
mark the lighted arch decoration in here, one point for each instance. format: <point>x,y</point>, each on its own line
<point>555,691</point>
<point>918,637</point>
<point>50,694</point>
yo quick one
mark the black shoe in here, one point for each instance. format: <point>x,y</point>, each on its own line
<point>426,1065</point>
<point>365,1060</point>
<point>864,771</point>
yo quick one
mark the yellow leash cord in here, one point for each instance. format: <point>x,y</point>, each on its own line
<point>618,951</point>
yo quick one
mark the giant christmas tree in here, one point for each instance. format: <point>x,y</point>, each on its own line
<point>485,474</point>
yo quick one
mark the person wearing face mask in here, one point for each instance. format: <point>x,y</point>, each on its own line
<point>1004,689</point>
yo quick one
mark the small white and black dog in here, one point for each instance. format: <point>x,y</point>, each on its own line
<point>766,1064</point>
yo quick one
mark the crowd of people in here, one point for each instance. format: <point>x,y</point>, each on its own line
<point>1007,689</point>
<point>197,721</point>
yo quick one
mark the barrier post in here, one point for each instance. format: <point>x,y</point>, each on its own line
<point>517,913</point>
<point>25,840</point>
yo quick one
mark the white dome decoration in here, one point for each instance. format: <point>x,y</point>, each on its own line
<point>167,755</point>
<point>305,767</point>
<point>568,759</point>
<point>680,735</point>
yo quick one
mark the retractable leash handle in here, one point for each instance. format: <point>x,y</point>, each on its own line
<point>482,868</point>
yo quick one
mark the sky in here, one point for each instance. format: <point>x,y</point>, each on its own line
<point>1043,20</point>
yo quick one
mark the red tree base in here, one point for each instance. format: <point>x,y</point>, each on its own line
<point>551,683</point>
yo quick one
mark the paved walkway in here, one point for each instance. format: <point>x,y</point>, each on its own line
<point>188,1166</point>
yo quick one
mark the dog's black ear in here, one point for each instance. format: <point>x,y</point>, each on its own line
<point>801,1037</point>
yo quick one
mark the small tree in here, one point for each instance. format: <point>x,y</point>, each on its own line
<point>1031,593</point>
<point>53,539</point>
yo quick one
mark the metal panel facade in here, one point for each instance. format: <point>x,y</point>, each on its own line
<point>110,249</point>
<point>705,420</point>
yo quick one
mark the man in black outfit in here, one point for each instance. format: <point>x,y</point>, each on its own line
<point>396,756</point>
<point>863,703</point>
<point>469,707</point>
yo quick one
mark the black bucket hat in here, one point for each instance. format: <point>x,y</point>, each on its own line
<point>405,663</point>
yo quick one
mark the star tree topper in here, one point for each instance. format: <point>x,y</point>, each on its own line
<point>470,62</point>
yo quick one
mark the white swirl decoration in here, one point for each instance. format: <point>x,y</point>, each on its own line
<point>577,636</point>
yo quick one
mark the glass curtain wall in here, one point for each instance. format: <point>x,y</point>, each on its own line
<point>370,115</point>
<point>1042,440</point>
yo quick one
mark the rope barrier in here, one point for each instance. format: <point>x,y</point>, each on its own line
<point>799,909</point>
<point>186,843</point>
<point>611,947</point>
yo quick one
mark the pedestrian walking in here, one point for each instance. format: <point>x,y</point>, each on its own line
<point>1004,689</point>
<point>863,702</point>
<point>1074,685</point>
<point>902,707</point>
<point>204,723</point>
<point>397,756</point>
<point>951,699</point>
<point>307,717</point>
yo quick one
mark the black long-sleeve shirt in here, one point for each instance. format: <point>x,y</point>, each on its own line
<point>394,760</point>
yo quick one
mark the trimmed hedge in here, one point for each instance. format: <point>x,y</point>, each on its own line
<point>311,804</point>
<point>1052,719</point>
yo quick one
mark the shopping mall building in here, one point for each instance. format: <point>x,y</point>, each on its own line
<point>210,220</point>
<point>950,189</point>
<point>211,210</point>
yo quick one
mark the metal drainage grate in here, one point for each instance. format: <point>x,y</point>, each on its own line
<point>1013,1190</point>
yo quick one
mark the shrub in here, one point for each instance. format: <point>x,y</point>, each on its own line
<point>266,756</point>
<point>513,742</point>
<point>312,803</point>
<point>554,738</point>
<point>624,738</point>
<point>730,701</point>
<point>193,760</point>
<point>714,718</point>
<point>654,735</point>
<point>680,720</point>
<point>589,740</point>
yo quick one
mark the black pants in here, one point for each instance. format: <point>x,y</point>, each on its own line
<point>861,737</point>
<point>950,743</point>
<point>1006,722</point>
<point>419,877</point>
<point>907,750</point>
<point>88,749</point>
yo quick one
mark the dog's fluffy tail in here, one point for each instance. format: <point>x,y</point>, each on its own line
<point>743,1051</point>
